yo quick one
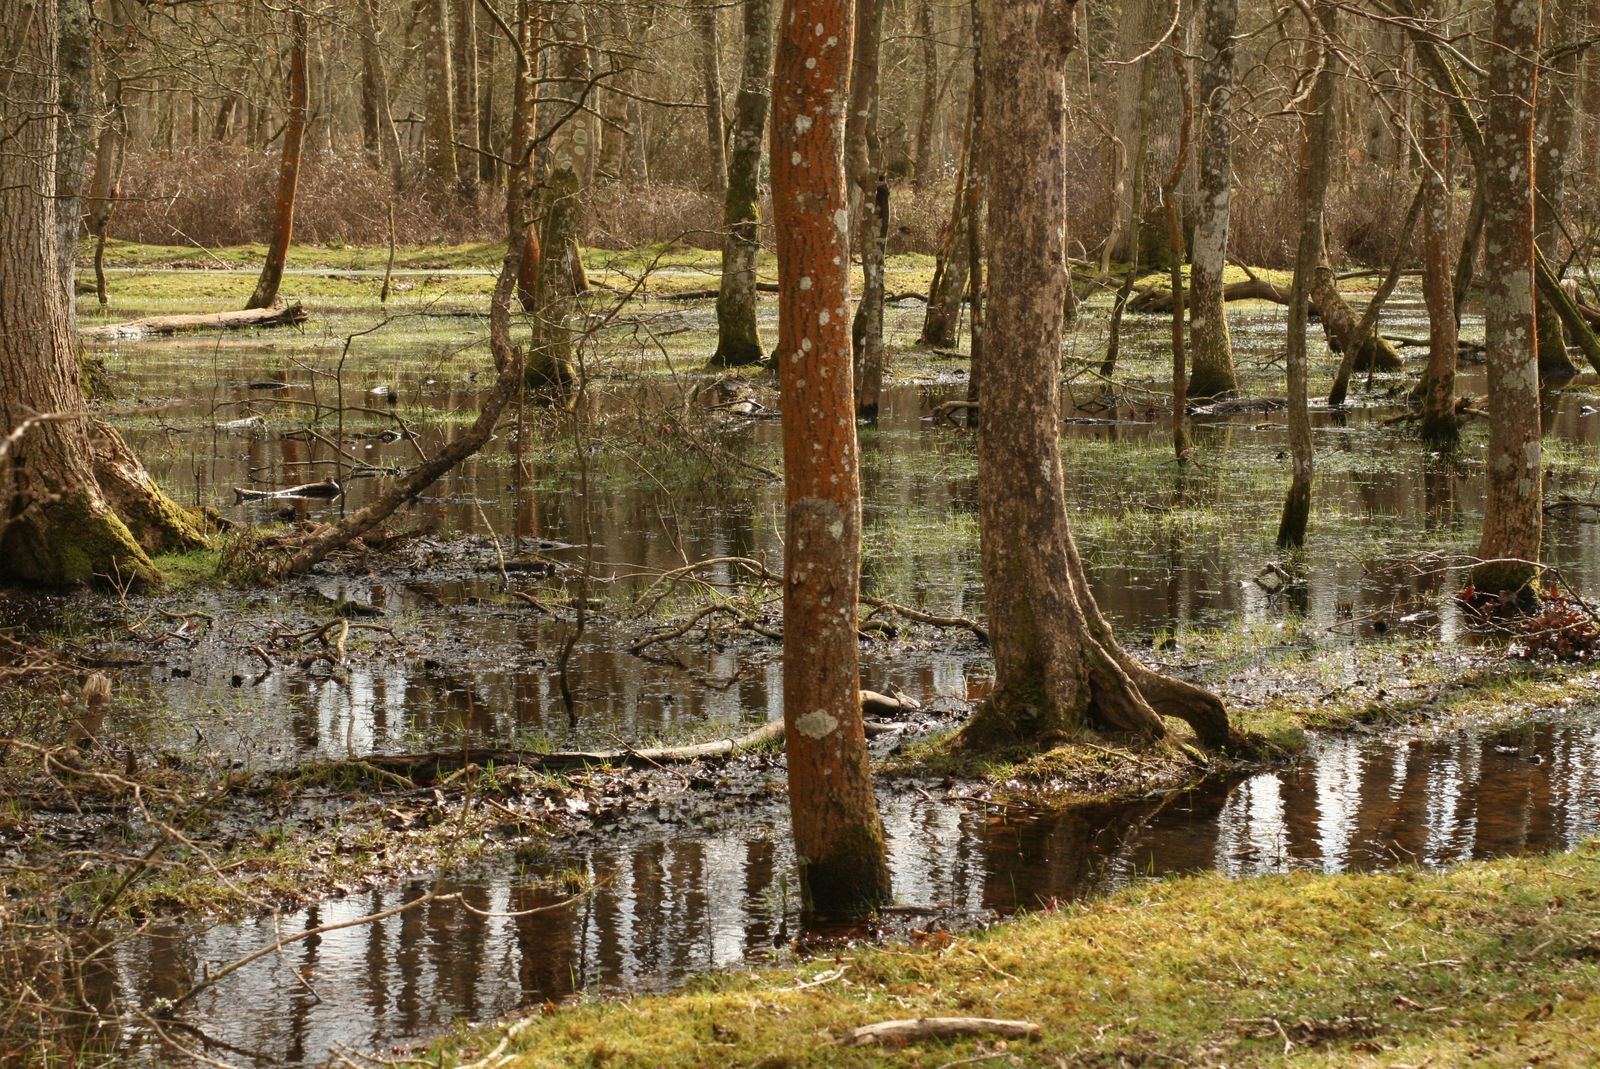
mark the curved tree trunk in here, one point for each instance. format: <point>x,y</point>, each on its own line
<point>1440,427</point>
<point>294,134</point>
<point>738,341</point>
<point>1213,374</point>
<point>1308,265</point>
<point>1058,667</point>
<point>838,835</point>
<point>58,525</point>
<point>1513,511</point>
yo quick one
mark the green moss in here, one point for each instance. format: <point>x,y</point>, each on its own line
<point>1487,964</point>
<point>185,569</point>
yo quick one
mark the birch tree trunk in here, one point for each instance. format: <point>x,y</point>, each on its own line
<point>294,135</point>
<point>1513,511</point>
<point>1058,667</point>
<point>1212,360</point>
<point>838,835</point>
<point>738,341</point>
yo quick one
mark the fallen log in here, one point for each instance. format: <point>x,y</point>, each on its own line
<point>426,766</point>
<point>1251,289</point>
<point>327,489</point>
<point>150,326</point>
<point>936,1028</point>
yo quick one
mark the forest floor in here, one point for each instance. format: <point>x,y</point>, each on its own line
<point>229,780</point>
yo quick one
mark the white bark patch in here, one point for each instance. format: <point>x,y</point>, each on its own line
<point>802,123</point>
<point>817,724</point>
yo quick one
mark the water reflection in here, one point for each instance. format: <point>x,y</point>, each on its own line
<point>682,899</point>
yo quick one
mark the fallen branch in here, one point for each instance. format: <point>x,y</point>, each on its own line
<point>283,316</point>
<point>937,1028</point>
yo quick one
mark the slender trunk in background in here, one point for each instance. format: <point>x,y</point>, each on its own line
<point>929,109</point>
<point>1058,667</point>
<point>75,57</point>
<point>379,134</point>
<point>976,194</point>
<point>1316,147</point>
<point>705,24</point>
<point>1591,100</point>
<point>1209,342</point>
<point>1147,98</point>
<point>1513,512</point>
<point>488,166</point>
<point>524,127</point>
<point>941,321</point>
<point>464,94</point>
<point>106,182</point>
<point>294,133</point>
<point>616,96</point>
<point>1440,428</point>
<point>438,78</point>
<point>1553,144</point>
<point>738,341</point>
<point>838,836</point>
<point>1169,195</point>
<point>869,197</point>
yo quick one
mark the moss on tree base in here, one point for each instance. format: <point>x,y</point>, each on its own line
<point>71,541</point>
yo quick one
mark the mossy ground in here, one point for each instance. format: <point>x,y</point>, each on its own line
<point>1488,964</point>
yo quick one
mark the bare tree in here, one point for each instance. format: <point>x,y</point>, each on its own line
<point>294,136</point>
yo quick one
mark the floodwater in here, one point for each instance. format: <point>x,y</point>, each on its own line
<point>700,889</point>
<point>711,891</point>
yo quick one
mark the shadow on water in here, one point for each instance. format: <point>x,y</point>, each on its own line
<point>714,891</point>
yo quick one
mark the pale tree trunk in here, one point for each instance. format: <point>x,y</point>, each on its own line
<point>1440,427</point>
<point>1213,374</point>
<point>705,24</point>
<point>1147,98</point>
<point>568,151</point>
<point>58,523</point>
<point>941,321</point>
<point>1316,147</point>
<point>1058,667</point>
<point>438,81</point>
<point>464,94</point>
<point>869,196</point>
<point>294,134</point>
<point>1513,509</point>
<point>738,341</point>
<point>928,112</point>
<point>838,835</point>
<point>1553,136</point>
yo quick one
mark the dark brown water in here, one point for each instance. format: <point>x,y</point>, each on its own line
<point>713,890</point>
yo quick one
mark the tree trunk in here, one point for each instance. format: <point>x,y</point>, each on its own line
<point>738,341</point>
<point>838,836</point>
<point>106,182</point>
<point>1316,147</point>
<point>929,109</point>
<point>1058,667</point>
<point>438,82</point>
<point>379,133</point>
<point>616,96</point>
<point>464,94</point>
<point>294,133</point>
<point>1513,509</point>
<point>1147,96</point>
<point>1440,426</point>
<point>705,23</point>
<point>941,321</point>
<point>1169,196</point>
<point>977,221</point>
<point>1212,349</point>
<point>1552,152</point>
<point>870,198</point>
<point>59,524</point>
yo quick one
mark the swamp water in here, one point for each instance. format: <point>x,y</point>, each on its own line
<point>711,889</point>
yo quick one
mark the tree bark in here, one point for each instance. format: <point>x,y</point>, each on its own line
<point>928,111</point>
<point>294,133</point>
<point>1316,148</point>
<point>58,524</point>
<point>75,56</point>
<point>1147,96</point>
<point>1513,510</point>
<point>1440,426</point>
<point>379,135</point>
<point>106,182</point>
<point>464,94</point>
<point>738,340</point>
<point>941,320</point>
<point>705,23</point>
<point>438,82</point>
<point>838,835</point>
<point>1553,138</point>
<point>1058,667</point>
<point>870,199</point>
<point>1213,373</point>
